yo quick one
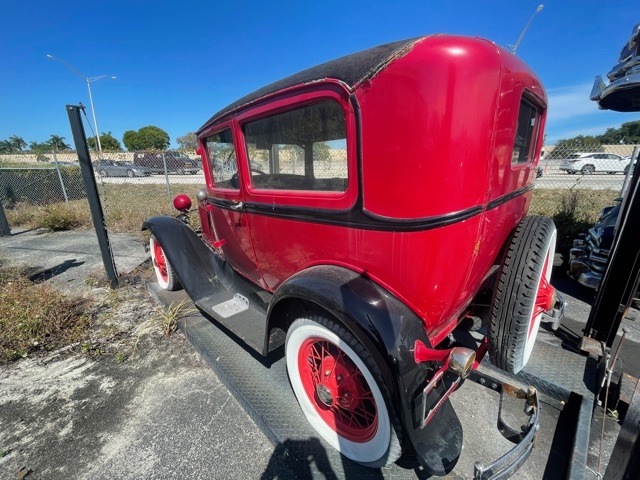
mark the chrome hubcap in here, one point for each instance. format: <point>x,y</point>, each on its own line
<point>324,394</point>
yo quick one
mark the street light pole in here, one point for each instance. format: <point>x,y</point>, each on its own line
<point>89,81</point>
<point>524,30</point>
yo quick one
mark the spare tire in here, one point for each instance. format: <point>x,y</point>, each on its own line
<point>522,293</point>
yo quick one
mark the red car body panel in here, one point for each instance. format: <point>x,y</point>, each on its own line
<point>430,138</point>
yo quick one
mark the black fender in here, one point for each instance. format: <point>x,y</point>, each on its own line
<point>200,272</point>
<point>388,329</point>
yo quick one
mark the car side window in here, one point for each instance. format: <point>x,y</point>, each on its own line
<point>221,153</point>
<point>526,132</point>
<point>301,149</point>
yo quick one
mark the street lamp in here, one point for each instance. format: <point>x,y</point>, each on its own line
<point>89,81</point>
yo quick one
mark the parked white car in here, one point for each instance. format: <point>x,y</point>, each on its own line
<point>588,163</point>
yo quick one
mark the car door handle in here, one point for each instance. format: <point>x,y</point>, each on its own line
<point>237,207</point>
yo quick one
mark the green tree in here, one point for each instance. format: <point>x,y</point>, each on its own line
<point>17,142</point>
<point>129,139</point>
<point>40,148</point>
<point>611,136</point>
<point>628,132</point>
<point>107,142</point>
<point>146,138</point>
<point>581,143</point>
<point>58,144</point>
<point>321,151</point>
<point>5,146</point>
<point>13,144</point>
<point>189,141</point>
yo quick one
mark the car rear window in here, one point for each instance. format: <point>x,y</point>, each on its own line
<point>526,132</point>
<point>301,149</point>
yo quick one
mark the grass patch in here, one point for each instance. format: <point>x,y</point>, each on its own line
<point>37,317</point>
<point>56,217</point>
<point>169,319</point>
<point>125,208</point>
<point>60,216</point>
<point>572,210</point>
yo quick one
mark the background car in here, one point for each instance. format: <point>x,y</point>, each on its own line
<point>175,162</point>
<point>593,162</point>
<point>110,168</point>
<point>628,160</point>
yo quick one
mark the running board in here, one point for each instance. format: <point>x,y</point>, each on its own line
<point>238,316</point>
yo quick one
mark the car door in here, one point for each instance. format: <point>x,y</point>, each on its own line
<point>617,162</point>
<point>225,203</point>
<point>599,161</point>
<point>298,182</point>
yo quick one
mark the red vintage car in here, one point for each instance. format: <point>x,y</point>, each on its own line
<point>358,212</point>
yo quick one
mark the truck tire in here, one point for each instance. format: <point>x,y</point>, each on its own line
<point>340,391</point>
<point>522,293</point>
<point>165,274</point>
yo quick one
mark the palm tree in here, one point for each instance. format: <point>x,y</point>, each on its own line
<point>17,143</point>
<point>39,147</point>
<point>6,146</point>
<point>58,143</point>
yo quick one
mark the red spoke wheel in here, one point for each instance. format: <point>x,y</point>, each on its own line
<point>165,274</point>
<point>340,391</point>
<point>522,293</point>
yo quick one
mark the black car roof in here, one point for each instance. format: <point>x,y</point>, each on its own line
<point>351,70</point>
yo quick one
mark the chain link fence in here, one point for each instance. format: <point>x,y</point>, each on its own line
<point>35,192</point>
<point>47,191</point>
<point>573,185</point>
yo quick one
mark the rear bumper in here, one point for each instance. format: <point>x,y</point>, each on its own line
<point>523,437</point>
<point>436,393</point>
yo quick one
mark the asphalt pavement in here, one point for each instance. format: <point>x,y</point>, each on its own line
<point>67,258</point>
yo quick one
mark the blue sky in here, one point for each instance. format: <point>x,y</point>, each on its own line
<point>177,63</point>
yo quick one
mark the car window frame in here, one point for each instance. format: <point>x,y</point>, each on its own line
<point>291,100</point>
<point>537,141</point>
<point>209,171</point>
